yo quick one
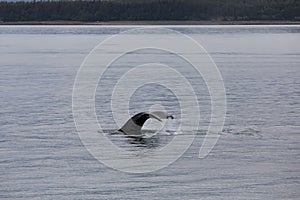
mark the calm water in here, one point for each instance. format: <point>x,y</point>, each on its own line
<point>256,157</point>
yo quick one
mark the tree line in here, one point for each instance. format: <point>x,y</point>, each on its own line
<point>124,10</point>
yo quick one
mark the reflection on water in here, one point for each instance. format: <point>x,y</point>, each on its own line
<point>149,143</point>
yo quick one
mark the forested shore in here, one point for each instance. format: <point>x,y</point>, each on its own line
<point>150,10</point>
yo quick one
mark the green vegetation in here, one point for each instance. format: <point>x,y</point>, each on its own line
<point>132,10</point>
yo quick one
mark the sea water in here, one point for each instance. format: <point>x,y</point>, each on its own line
<point>257,155</point>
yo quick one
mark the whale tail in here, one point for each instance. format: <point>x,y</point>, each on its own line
<point>134,125</point>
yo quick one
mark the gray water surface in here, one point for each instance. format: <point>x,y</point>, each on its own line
<point>257,155</point>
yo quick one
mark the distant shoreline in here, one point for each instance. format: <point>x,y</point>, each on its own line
<point>107,23</point>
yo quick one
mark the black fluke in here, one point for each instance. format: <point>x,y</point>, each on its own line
<point>140,118</point>
<point>134,125</point>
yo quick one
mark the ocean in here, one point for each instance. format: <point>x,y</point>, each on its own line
<point>55,104</point>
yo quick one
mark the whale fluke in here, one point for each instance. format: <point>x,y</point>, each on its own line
<point>134,125</point>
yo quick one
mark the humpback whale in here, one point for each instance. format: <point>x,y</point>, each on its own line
<point>134,125</point>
